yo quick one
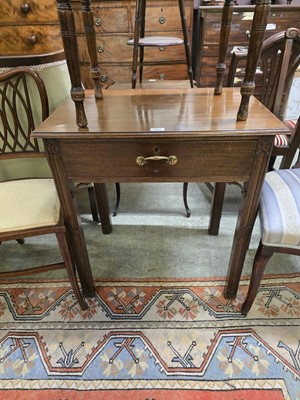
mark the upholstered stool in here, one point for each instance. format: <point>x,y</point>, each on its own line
<point>280,223</point>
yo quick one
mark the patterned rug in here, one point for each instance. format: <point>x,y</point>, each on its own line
<point>150,340</point>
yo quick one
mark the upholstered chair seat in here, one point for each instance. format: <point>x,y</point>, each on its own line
<point>27,204</point>
<point>280,223</point>
<point>280,208</point>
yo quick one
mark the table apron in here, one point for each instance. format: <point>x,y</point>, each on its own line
<point>203,160</point>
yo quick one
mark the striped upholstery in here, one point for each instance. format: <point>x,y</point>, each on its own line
<point>280,208</point>
<point>284,140</point>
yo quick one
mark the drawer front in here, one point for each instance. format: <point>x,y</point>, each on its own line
<point>26,40</point>
<point>206,160</point>
<point>26,12</point>
<point>110,74</point>
<point>165,72</point>
<point>109,48</point>
<point>106,20</point>
<point>163,18</point>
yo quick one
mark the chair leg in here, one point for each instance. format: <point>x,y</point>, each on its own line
<point>262,256</point>
<point>141,35</point>
<point>187,209</point>
<point>20,241</point>
<point>118,192</point>
<point>216,209</point>
<point>271,163</point>
<point>93,204</point>
<point>103,207</point>
<point>68,260</point>
<point>186,42</point>
<point>137,26</point>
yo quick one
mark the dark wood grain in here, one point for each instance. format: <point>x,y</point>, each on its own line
<point>192,124</point>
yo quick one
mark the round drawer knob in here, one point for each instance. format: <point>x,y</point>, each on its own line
<point>162,20</point>
<point>98,21</point>
<point>25,8</point>
<point>100,49</point>
<point>32,39</point>
<point>161,77</point>
<point>162,48</point>
<point>103,78</point>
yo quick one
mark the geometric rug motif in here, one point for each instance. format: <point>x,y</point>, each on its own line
<point>150,339</point>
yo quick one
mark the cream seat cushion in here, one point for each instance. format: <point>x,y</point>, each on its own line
<point>28,203</point>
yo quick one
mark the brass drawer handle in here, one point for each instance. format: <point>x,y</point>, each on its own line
<point>161,77</point>
<point>100,49</point>
<point>171,160</point>
<point>162,19</point>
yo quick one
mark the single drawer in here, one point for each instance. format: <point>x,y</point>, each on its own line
<point>163,18</point>
<point>109,48</point>
<point>110,74</point>
<point>13,11</point>
<point>106,20</point>
<point>165,71</point>
<point>115,161</point>
<point>36,39</point>
<point>115,48</point>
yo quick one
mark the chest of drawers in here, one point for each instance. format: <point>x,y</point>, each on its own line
<point>206,36</point>
<point>114,25</point>
<point>28,28</point>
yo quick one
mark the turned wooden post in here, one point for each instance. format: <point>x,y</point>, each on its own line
<point>68,33</point>
<point>259,23</point>
<point>90,34</point>
<point>223,44</point>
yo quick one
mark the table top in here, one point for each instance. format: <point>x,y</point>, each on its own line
<point>179,112</point>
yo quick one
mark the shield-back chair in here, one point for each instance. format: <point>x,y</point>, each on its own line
<point>29,205</point>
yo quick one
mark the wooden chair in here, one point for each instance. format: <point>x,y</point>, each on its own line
<point>140,41</point>
<point>280,223</point>
<point>29,206</point>
<point>280,57</point>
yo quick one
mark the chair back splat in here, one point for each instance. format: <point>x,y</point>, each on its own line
<point>279,60</point>
<point>29,205</point>
<point>18,114</point>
